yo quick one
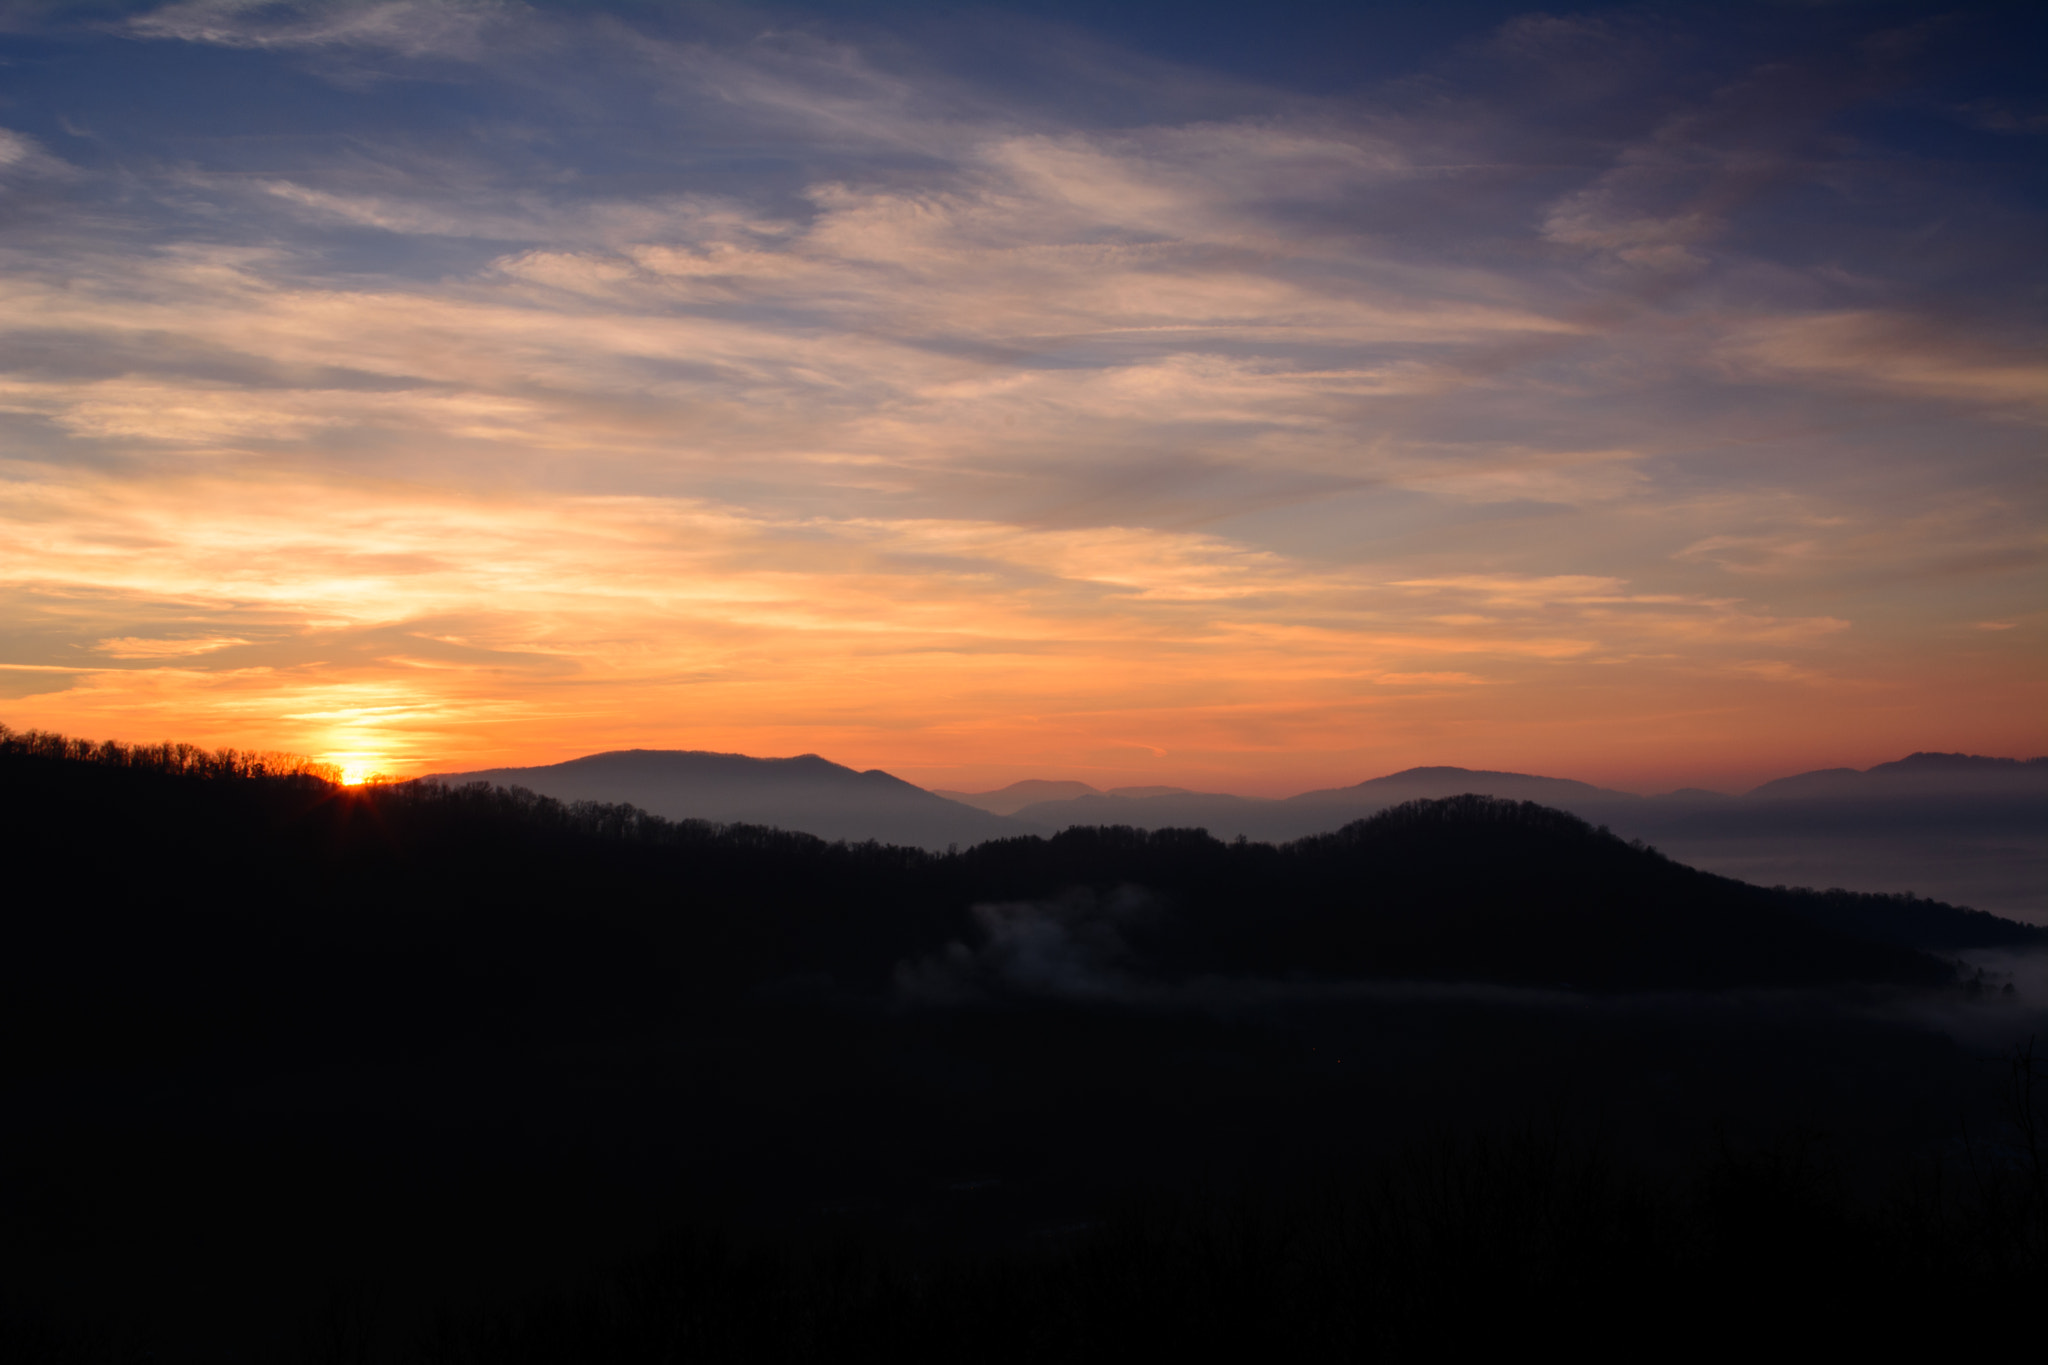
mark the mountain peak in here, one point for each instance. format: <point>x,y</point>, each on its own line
<point>1013,798</point>
<point>805,792</point>
<point>1443,780</point>
<point>1931,762</point>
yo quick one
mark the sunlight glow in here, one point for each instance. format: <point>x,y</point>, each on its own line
<point>1239,446</point>
<point>359,774</point>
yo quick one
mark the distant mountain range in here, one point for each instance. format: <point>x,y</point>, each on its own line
<point>257,1010</point>
<point>805,793</point>
<point>1058,805</point>
<point>1034,791</point>
<point>1967,828</point>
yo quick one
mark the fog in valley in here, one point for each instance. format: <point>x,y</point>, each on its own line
<point>454,1052</point>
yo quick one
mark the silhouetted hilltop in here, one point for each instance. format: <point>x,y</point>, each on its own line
<point>271,908</point>
<point>806,793</point>
<point>1416,784</point>
<point>1974,829</point>
<point>1918,776</point>
<point>1966,828</point>
<point>1465,888</point>
<point>277,1047</point>
<point>1315,812</point>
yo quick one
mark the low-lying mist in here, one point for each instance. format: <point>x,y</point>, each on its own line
<point>470,1045</point>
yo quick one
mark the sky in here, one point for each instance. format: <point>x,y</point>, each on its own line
<point>1252,398</point>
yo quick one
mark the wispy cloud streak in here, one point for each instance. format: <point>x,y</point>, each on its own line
<point>967,433</point>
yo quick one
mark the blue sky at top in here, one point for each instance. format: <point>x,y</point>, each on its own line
<point>1271,392</point>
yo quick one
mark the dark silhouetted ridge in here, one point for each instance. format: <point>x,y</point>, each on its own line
<point>255,909</point>
<point>1974,830</point>
<point>272,1045</point>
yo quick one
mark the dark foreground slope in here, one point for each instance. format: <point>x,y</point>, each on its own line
<point>417,1073</point>
<point>264,910</point>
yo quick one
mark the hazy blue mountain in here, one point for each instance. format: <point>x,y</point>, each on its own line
<point>806,793</point>
<point>1960,827</point>
<point>1013,798</point>
<point>1034,791</point>
<point>1921,774</point>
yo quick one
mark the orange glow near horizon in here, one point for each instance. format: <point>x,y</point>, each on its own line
<point>361,774</point>
<point>1244,452</point>
<point>415,632</point>
<point>410,629</point>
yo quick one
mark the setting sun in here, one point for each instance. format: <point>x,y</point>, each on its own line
<point>1087,446</point>
<point>1015,675</point>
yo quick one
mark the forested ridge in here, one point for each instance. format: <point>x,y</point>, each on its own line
<point>423,1073</point>
<point>250,900</point>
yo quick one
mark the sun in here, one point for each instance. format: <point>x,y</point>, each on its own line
<point>354,767</point>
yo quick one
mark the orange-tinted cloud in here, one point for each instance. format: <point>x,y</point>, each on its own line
<point>1062,450</point>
